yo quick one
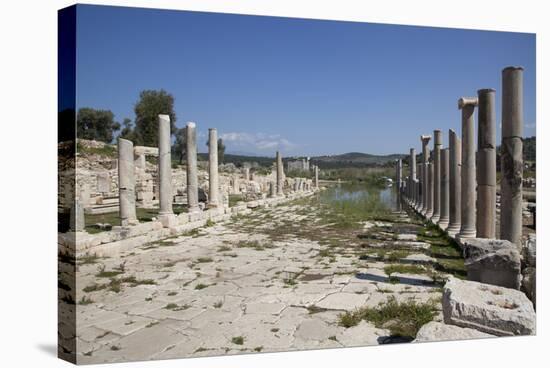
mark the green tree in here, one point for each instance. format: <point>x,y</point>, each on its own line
<point>127,131</point>
<point>99,125</point>
<point>221,149</point>
<point>152,103</point>
<point>178,148</point>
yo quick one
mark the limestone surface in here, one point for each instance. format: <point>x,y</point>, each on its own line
<point>491,309</point>
<point>437,331</point>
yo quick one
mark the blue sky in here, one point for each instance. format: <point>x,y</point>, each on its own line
<point>305,87</point>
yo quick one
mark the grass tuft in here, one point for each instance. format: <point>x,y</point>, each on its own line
<point>402,319</point>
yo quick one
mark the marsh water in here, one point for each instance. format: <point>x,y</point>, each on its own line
<point>361,193</point>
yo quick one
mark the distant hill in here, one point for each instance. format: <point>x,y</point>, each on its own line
<point>351,159</point>
<point>355,159</point>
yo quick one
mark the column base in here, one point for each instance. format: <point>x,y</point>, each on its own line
<point>168,220</point>
<point>213,205</point>
<point>194,209</point>
<point>443,224</point>
<point>453,229</point>
<point>465,234</point>
<point>129,222</point>
<point>435,219</point>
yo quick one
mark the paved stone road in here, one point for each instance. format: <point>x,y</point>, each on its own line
<point>225,290</point>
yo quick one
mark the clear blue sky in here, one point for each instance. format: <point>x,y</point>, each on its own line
<point>306,87</point>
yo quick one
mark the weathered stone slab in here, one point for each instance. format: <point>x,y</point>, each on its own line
<point>491,309</point>
<point>343,301</point>
<point>492,261</point>
<point>437,331</point>
<point>315,329</point>
<point>361,335</point>
<point>407,237</point>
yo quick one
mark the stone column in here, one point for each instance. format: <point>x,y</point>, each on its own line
<point>140,161</point>
<point>165,171</point>
<point>398,173</point>
<point>419,185</point>
<point>430,190</point>
<point>424,177</point>
<point>455,165</point>
<point>511,155</point>
<point>437,176</point>
<point>246,174</point>
<point>213,180</point>
<point>316,177</point>
<point>444,190</point>
<point>398,179</point>
<point>236,184</point>
<point>279,161</point>
<point>487,165</point>
<point>192,177</point>
<point>412,174</point>
<point>76,219</point>
<point>126,182</point>
<point>468,177</point>
<point>271,189</point>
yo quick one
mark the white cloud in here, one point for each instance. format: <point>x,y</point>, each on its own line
<point>531,126</point>
<point>258,142</point>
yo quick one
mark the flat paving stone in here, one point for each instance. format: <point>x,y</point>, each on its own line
<point>283,297</point>
<point>342,301</point>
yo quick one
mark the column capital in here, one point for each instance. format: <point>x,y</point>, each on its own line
<point>467,101</point>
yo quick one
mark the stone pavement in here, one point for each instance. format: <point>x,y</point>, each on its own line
<point>269,281</point>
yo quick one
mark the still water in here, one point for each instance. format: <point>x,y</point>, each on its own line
<point>357,192</point>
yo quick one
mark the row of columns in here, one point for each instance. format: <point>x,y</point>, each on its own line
<point>457,189</point>
<point>127,204</point>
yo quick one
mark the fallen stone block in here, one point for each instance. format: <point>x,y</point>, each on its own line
<point>487,308</point>
<point>437,331</point>
<point>492,261</point>
<point>407,237</point>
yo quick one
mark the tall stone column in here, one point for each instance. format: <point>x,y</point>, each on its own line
<point>76,220</point>
<point>437,175</point>
<point>398,173</point>
<point>192,175</point>
<point>455,174</point>
<point>468,177</point>
<point>487,165</point>
<point>316,177</point>
<point>279,161</point>
<point>213,180</point>
<point>430,190</point>
<point>236,184</point>
<point>412,174</point>
<point>444,190</point>
<point>126,182</point>
<point>425,158</point>
<point>166,214</point>
<point>419,185</point>
<point>398,180</point>
<point>511,155</point>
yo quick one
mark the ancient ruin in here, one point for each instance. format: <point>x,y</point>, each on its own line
<point>201,257</point>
